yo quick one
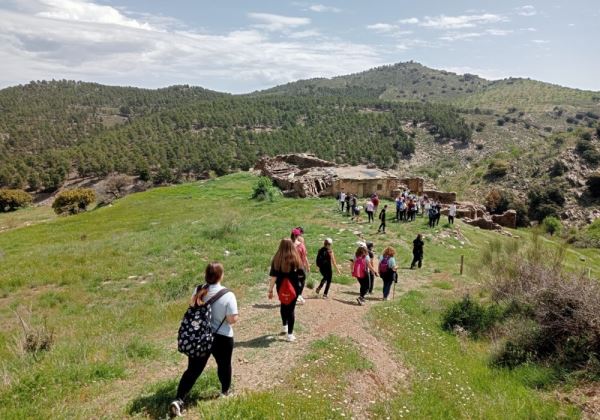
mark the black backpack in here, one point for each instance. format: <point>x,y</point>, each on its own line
<point>195,336</point>
<point>322,257</point>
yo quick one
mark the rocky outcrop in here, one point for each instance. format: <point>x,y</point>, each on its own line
<point>442,197</point>
<point>485,223</point>
<point>507,219</point>
<point>299,175</point>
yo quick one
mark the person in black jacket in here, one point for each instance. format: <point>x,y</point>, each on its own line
<point>382,218</point>
<point>417,252</point>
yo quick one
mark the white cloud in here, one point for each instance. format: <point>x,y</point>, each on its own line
<point>409,21</point>
<point>529,29</point>
<point>320,8</point>
<point>527,10</point>
<point>457,36</point>
<point>111,49</point>
<point>540,41</point>
<point>460,22</point>
<point>499,32</point>
<point>382,27</point>
<point>273,22</point>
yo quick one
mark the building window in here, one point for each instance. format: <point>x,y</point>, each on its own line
<point>379,187</point>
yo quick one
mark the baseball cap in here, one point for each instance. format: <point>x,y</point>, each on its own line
<point>329,241</point>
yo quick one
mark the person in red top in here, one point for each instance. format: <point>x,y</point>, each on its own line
<point>298,240</point>
<point>375,201</point>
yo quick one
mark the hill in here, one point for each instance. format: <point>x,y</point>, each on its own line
<point>404,117</point>
<point>113,283</point>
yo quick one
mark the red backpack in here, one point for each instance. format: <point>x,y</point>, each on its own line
<point>286,292</point>
<point>384,265</point>
<point>359,268</point>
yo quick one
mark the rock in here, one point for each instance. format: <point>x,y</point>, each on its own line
<point>507,219</point>
<point>485,223</point>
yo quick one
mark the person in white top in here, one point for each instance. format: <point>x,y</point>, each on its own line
<point>342,200</point>
<point>224,315</point>
<point>452,213</point>
<point>370,208</point>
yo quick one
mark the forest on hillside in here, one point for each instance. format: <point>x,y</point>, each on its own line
<point>49,130</point>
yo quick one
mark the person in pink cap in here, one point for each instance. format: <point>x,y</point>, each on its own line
<point>298,240</point>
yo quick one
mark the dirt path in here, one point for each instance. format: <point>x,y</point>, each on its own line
<point>262,356</point>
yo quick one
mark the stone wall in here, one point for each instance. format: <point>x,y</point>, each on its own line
<point>443,197</point>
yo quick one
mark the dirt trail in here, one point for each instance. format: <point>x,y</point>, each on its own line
<point>262,356</point>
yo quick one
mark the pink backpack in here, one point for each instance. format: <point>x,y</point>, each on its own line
<point>359,268</point>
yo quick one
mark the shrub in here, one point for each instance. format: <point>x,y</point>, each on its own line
<point>13,199</point>
<point>497,169</point>
<point>558,168</point>
<point>565,307</point>
<point>591,156</point>
<point>545,202</point>
<point>593,184</point>
<point>35,338</point>
<point>497,201</point>
<point>586,135</point>
<point>552,225</point>
<point>500,122</point>
<point>116,185</point>
<point>470,315</point>
<point>73,201</point>
<point>265,190</point>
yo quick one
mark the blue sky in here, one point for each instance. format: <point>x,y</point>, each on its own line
<point>240,46</point>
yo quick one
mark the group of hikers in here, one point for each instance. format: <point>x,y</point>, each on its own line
<point>408,206</point>
<point>206,328</point>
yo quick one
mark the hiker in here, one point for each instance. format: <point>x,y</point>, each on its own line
<point>398,208</point>
<point>342,200</point>
<point>298,239</point>
<point>375,200</point>
<point>353,203</point>
<point>382,218</point>
<point>360,271</point>
<point>387,270</point>
<point>348,197</point>
<point>452,213</point>
<point>417,252</point>
<point>432,215</point>
<point>356,213</point>
<point>438,214</point>
<point>287,274</point>
<point>224,310</point>
<point>370,208</point>
<point>326,262</point>
<point>372,269</point>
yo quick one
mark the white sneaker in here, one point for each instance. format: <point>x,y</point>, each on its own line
<point>284,329</point>
<point>176,407</point>
<point>301,300</point>
<point>291,338</point>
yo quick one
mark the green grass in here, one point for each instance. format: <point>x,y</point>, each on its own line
<point>451,379</point>
<point>113,283</point>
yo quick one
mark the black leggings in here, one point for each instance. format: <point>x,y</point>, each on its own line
<point>417,259</point>
<point>327,276</point>
<point>288,316</point>
<point>222,350</point>
<point>364,286</point>
<point>371,218</point>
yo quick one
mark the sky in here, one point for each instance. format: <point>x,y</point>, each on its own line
<point>240,46</point>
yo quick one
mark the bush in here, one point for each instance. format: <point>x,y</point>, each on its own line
<point>564,307</point>
<point>497,169</point>
<point>73,201</point>
<point>593,184</point>
<point>591,156</point>
<point>497,201</point>
<point>470,315</point>
<point>265,190</point>
<point>545,202</point>
<point>552,225</point>
<point>11,200</point>
<point>558,168</point>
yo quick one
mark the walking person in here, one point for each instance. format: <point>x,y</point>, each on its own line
<point>452,213</point>
<point>382,218</point>
<point>348,198</point>
<point>438,212</point>
<point>326,262</point>
<point>373,272</point>
<point>375,200</point>
<point>398,208</point>
<point>298,239</point>
<point>432,215</point>
<point>342,200</point>
<point>286,270</point>
<point>223,305</point>
<point>388,270</point>
<point>360,271</point>
<point>370,208</point>
<point>417,252</point>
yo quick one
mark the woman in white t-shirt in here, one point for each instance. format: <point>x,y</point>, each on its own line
<point>224,315</point>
